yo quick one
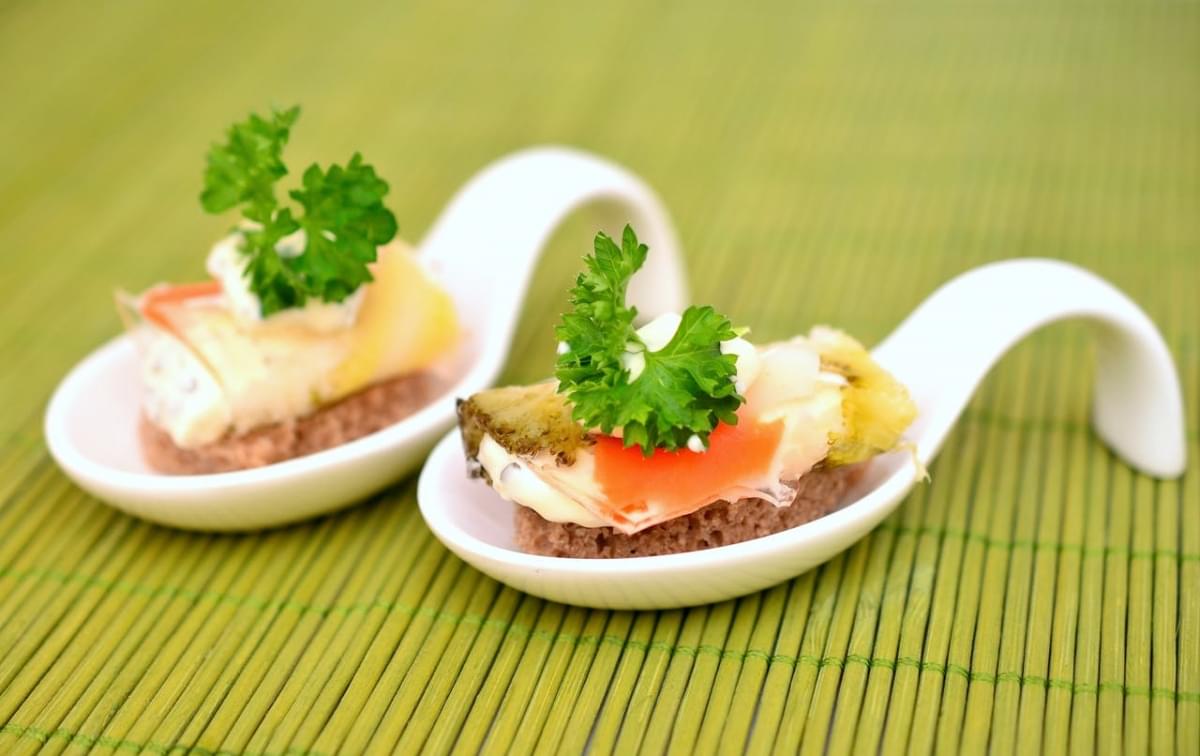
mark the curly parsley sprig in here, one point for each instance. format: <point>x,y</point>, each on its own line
<point>342,215</point>
<point>684,389</point>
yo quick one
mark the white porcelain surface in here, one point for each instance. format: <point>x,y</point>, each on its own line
<point>484,248</point>
<point>941,352</point>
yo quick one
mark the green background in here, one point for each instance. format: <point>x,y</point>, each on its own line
<point>825,162</point>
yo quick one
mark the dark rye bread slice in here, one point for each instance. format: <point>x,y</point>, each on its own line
<point>372,409</point>
<point>719,524</point>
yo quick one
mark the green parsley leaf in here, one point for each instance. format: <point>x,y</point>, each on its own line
<point>245,169</point>
<point>344,221</point>
<point>277,284</point>
<point>343,216</point>
<point>685,388</point>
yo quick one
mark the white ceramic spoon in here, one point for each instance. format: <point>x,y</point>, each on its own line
<point>941,352</point>
<point>484,249</point>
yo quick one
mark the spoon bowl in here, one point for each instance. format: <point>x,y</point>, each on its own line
<point>484,249</point>
<point>941,352</point>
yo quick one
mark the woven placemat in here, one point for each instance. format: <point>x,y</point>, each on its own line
<point>825,162</point>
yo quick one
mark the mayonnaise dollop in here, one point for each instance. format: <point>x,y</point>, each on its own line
<point>516,482</point>
<point>658,333</point>
<point>227,264</point>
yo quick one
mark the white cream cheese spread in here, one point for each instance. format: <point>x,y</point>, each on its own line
<point>179,393</point>
<point>515,481</point>
<point>658,333</point>
<point>227,264</point>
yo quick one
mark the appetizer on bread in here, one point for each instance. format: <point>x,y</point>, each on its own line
<point>316,327</point>
<point>678,435</point>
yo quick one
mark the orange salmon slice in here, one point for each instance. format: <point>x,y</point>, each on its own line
<point>681,481</point>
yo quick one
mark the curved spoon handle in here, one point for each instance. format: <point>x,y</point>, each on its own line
<point>489,238</point>
<point>943,350</point>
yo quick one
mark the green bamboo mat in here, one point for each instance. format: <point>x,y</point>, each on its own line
<point>826,162</point>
